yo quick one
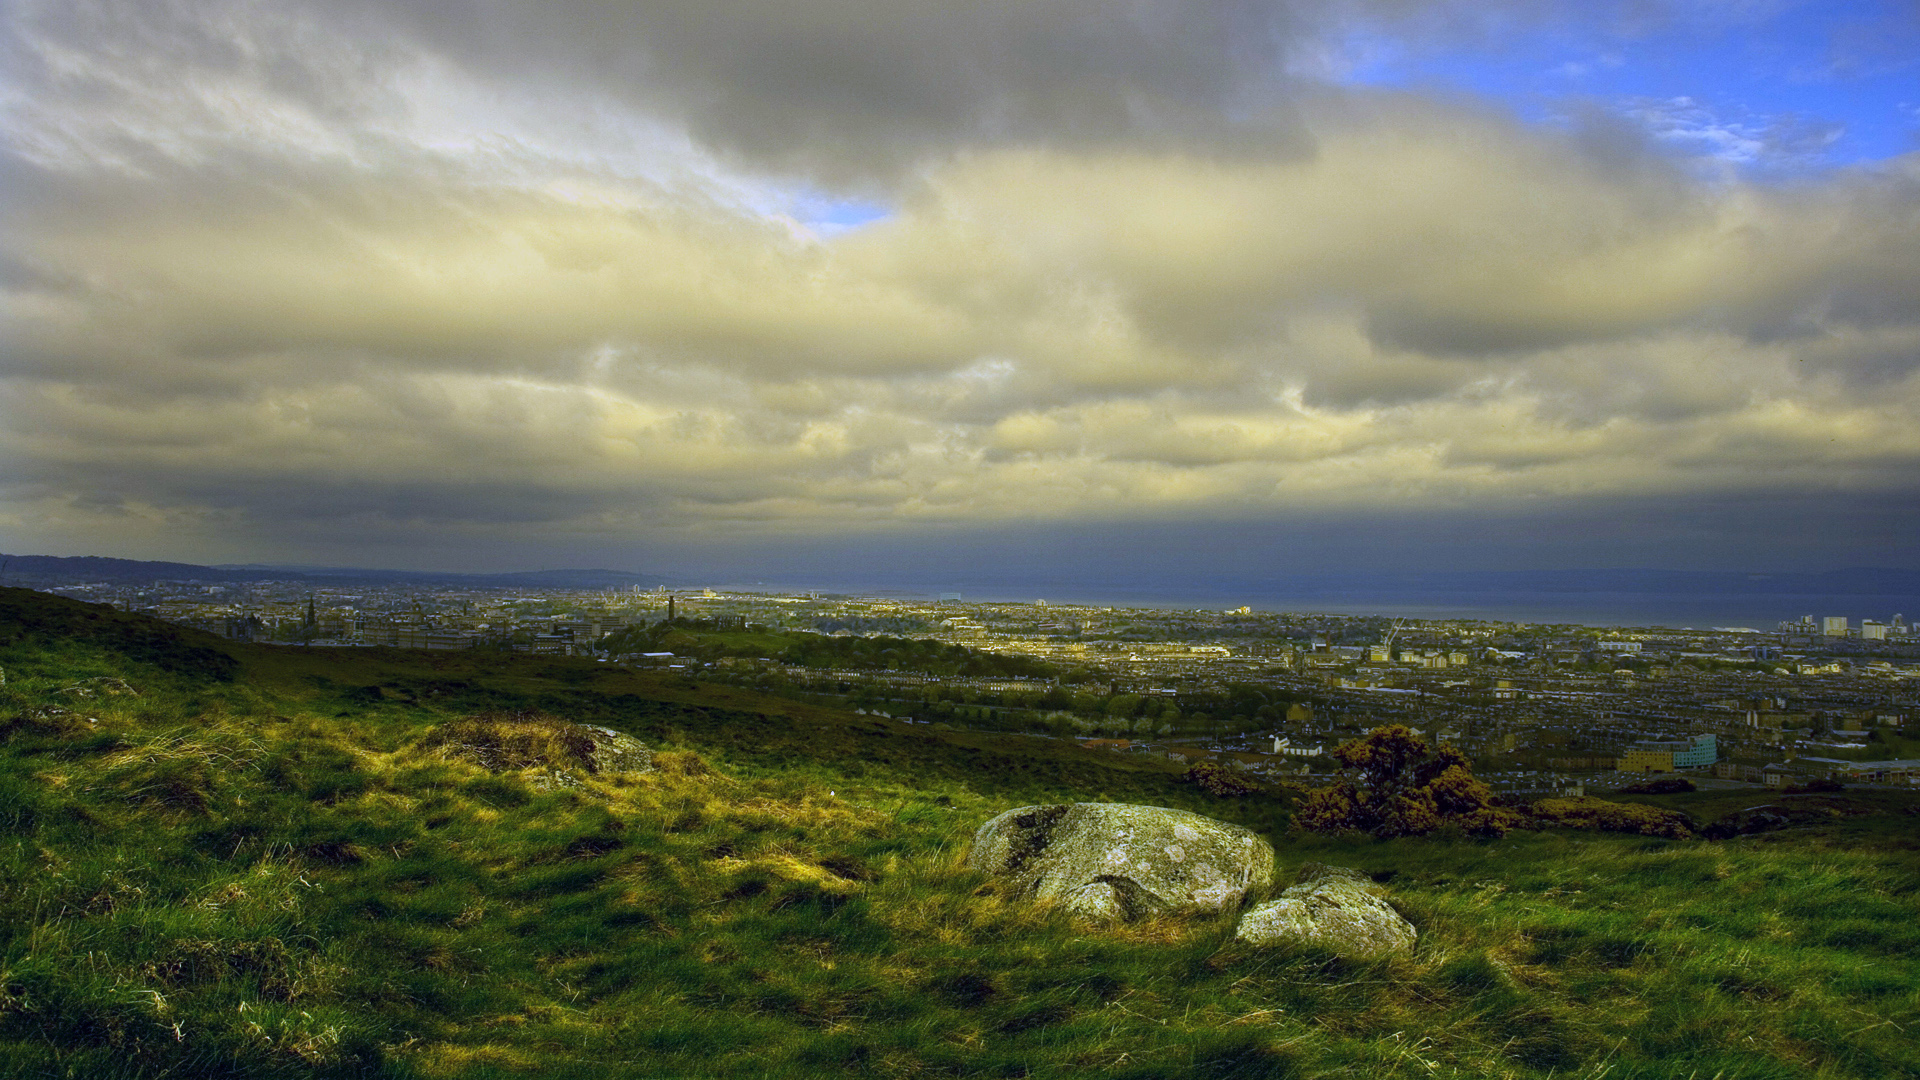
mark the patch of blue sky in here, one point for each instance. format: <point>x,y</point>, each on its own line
<point>829,216</point>
<point>1797,85</point>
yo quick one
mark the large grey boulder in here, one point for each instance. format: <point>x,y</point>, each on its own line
<point>1334,908</point>
<point>1116,861</point>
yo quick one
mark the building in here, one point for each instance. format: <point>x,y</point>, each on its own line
<point>1834,626</point>
<point>1904,771</point>
<point>1701,752</point>
<point>1873,631</point>
<point>421,637</point>
<point>1802,769</point>
<point>1645,759</point>
<point>1666,756</point>
<point>1619,646</point>
<point>1733,770</point>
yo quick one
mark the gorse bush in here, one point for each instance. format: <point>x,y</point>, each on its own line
<point>1395,784</point>
<point>1218,780</point>
<point>1590,813</point>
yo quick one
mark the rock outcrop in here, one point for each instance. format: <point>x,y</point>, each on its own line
<point>615,751</point>
<point>1116,861</point>
<point>563,752</point>
<point>99,687</point>
<point>1333,908</point>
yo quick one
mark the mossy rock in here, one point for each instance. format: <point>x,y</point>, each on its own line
<point>1333,908</point>
<point>1118,861</point>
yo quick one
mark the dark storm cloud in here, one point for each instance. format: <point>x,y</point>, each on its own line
<point>845,88</point>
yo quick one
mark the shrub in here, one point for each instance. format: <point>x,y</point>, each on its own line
<point>1812,787</point>
<point>1216,779</point>
<point>1666,785</point>
<point>1587,812</point>
<point>1394,784</point>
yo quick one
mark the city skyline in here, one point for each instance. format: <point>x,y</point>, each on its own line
<point>841,288</point>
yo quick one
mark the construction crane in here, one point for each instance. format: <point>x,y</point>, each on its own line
<point>1392,632</point>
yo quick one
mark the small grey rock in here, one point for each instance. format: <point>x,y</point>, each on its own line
<point>100,686</point>
<point>616,751</point>
<point>1334,908</point>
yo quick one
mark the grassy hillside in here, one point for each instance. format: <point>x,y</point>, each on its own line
<point>262,865</point>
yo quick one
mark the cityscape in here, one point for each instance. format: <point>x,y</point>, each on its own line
<point>1555,708</point>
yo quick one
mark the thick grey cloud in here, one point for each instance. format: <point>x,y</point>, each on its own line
<point>846,88</point>
<point>344,278</point>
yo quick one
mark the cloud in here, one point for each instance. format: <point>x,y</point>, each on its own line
<point>269,280</point>
<point>844,88</point>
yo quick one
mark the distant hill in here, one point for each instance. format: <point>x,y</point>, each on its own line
<point>56,570</point>
<point>548,579</point>
<point>32,620</point>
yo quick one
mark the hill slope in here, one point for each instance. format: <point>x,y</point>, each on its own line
<point>270,865</point>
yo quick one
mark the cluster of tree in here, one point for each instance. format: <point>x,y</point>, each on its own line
<point>910,654</point>
<point>869,624</point>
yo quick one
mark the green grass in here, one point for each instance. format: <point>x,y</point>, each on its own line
<point>278,873</point>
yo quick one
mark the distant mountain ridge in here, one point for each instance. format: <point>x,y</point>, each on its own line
<point>56,569</point>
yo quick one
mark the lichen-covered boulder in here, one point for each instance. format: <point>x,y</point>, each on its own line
<point>1116,861</point>
<point>1333,908</point>
<point>616,751</point>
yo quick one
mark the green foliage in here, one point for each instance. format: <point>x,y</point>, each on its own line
<point>1216,779</point>
<point>1394,784</point>
<point>1587,812</point>
<point>1665,785</point>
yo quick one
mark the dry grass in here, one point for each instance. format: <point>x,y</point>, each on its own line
<point>502,741</point>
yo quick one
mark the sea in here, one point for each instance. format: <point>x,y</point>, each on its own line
<point>1745,611</point>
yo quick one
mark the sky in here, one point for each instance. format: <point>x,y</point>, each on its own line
<point>833,287</point>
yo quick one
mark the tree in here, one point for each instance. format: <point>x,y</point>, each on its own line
<point>1394,784</point>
